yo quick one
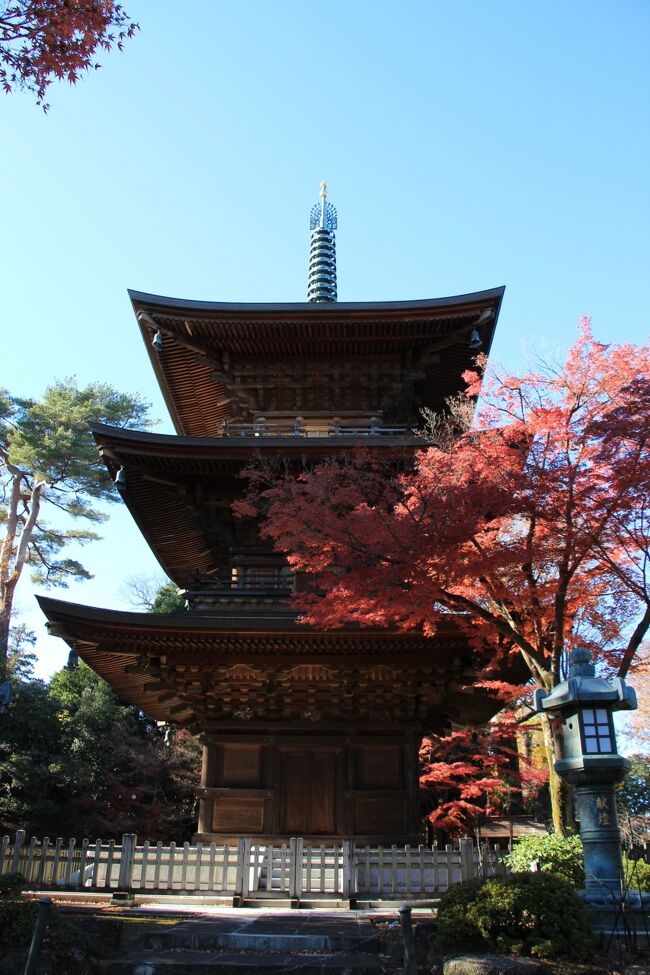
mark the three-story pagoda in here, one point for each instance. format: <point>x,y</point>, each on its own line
<point>305,732</point>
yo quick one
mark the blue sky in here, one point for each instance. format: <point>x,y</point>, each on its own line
<point>466,145</point>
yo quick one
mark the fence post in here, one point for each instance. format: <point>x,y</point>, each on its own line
<point>408,941</point>
<point>18,847</point>
<point>125,876</point>
<point>467,866</point>
<point>295,869</point>
<point>242,876</point>
<point>349,875</point>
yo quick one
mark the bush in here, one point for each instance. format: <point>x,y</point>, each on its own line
<point>17,920</point>
<point>11,884</point>
<point>523,914</point>
<point>637,874</point>
<point>561,855</point>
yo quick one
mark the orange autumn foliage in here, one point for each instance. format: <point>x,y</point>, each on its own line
<point>468,773</point>
<point>44,40</point>
<point>532,527</point>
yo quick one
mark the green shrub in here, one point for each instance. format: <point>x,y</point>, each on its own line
<point>17,920</point>
<point>637,874</point>
<point>561,855</point>
<point>11,884</point>
<point>523,914</point>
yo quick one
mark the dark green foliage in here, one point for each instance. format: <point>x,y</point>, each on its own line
<point>67,948</point>
<point>21,658</point>
<point>523,914</point>
<point>49,462</point>
<point>11,885</point>
<point>636,873</point>
<point>30,741</point>
<point>17,920</point>
<point>47,448</point>
<point>76,760</point>
<point>634,793</point>
<point>561,855</point>
<point>168,600</point>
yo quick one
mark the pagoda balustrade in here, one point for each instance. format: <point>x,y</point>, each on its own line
<point>263,586</point>
<point>269,428</point>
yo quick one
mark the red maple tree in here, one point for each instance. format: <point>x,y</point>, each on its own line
<point>471,773</point>
<point>531,527</point>
<point>44,40</point>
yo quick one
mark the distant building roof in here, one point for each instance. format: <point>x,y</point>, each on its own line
<point>506,827</point>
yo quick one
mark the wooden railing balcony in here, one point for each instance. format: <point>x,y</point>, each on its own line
<point>246,587</point>
<point>270,429</point>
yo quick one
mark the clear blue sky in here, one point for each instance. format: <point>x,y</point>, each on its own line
<point>466,145</point>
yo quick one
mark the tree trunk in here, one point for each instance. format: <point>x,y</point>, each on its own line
<point>5,620</point>
<point>556,786</point>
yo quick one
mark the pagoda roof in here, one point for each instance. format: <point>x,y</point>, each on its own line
<point>166,477</point>
<point>201,339</point>
<point>175,667</point>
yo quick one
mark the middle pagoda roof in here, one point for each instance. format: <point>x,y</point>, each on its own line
<point>219,363</point>
<point>179,489</point>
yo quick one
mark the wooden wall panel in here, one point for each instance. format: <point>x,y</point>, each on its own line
<point>309,791</point>
<point>295,796</point>
<point>379,767</point>
<point>238,814</point>
<point>378,817</point>
<point>323,793</point>
<point>242,766</point>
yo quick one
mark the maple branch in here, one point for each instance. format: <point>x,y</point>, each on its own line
<point>502,626</point>
<point>635,642</point>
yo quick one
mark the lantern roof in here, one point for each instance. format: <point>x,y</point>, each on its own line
<point>583,687</point>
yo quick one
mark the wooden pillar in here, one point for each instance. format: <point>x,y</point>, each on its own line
<point>208,764</point>
<point>411,749</point>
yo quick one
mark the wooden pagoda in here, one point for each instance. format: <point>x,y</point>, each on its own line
<point>304,732</point>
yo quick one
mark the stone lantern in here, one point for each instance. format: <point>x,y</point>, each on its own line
<point>591,764</point>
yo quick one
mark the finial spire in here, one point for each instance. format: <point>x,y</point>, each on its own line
<point>322,251</point>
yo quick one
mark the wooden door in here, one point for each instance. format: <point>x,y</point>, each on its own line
<point>308,795</point>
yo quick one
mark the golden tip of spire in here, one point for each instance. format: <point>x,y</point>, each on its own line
<point>323,189</point>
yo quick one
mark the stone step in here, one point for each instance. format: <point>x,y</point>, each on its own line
<point>300,935</point>
<point>286,903</point>
<point>247,963</point>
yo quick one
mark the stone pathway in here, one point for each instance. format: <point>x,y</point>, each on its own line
<point>254,944</point>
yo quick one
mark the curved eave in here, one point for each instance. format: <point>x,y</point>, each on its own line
<point>163,471</point>
<point>173,631</point>
<point>294,309</point>
<point>130,650</point>
<point>169,445</point>
<point>196,333</point>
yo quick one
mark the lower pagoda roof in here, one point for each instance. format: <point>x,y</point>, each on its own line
<point>205,671</point>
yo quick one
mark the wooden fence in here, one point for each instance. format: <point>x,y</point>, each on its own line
<point>246,870</point>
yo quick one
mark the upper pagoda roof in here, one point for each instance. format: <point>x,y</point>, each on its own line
<point>206,344</point>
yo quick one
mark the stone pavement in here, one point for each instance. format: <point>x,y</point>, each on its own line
<point>250,942</point>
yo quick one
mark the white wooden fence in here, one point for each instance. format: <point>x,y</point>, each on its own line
<point>248,869</point>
